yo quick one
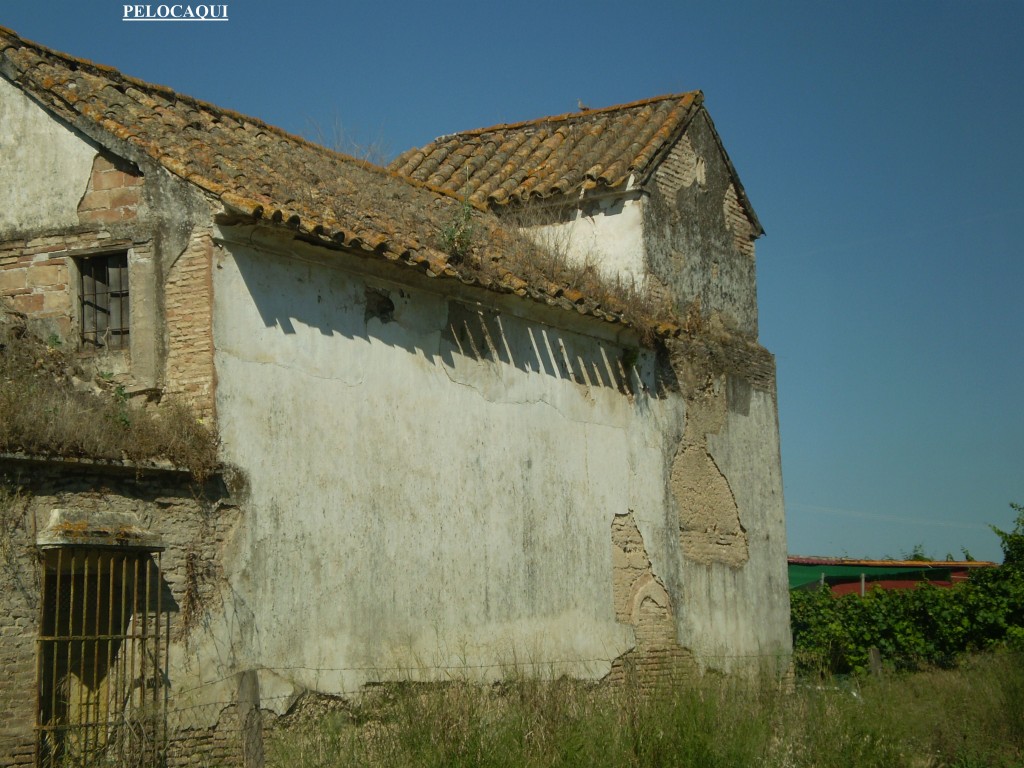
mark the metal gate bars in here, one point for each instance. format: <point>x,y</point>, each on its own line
<point>102,659</point>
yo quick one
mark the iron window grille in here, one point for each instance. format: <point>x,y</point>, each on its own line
<point>102,659</point>
<point>103,301</point>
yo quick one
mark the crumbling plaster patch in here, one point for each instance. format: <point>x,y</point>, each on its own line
<point>642,602</point>
<point>710,530</point>
<point>640,597</point>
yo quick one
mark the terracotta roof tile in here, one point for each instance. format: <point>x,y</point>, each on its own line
<point>552,155</point>
<point>259,171</point>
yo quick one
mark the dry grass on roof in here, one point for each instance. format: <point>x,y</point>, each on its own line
<point>44,413</point>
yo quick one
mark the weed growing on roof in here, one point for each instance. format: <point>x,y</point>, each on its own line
<point>546,253</point>
<point>42,412</point>
<point>456,236</point>
<point>339,139</point>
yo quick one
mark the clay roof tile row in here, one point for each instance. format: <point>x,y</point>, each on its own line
<point>557,155</point>
<point>262,172</point>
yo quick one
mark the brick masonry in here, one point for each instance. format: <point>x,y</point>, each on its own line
<point>37,278</point>
<point>113,194</point>
<point>738,223</point>
<point>188,313</point>
<point>681,168</point>
<point>699,234</point>
<point>36,274</point>
<point>193,522</point>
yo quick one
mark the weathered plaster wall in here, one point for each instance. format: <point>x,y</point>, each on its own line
<point>741,614</point>
<point>438,473</point>
<point>699,241</point>
<point>66,196</point>
<point>43,165</point>
<point>435,487</point>
<point>732,581</point>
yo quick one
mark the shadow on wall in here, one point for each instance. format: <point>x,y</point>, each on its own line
<point>336,303</point>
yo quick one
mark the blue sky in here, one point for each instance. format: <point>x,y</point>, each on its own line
<point>878,141</point>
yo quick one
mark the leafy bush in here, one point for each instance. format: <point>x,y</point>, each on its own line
<point>914,628</point>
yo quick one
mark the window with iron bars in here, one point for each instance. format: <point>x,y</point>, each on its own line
<point>103,301</point>
<point>104,635</point>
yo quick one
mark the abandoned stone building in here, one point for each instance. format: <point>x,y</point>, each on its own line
<point>500,406</point>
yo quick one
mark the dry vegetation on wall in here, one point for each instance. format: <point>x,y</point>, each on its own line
<point>497,252</point>
<point>548,252</point>
<point>965,718</point>
<point>43,412</point>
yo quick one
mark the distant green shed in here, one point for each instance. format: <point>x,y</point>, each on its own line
<point>844,575</point>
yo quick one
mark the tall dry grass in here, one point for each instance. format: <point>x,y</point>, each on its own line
<point>963,718</point>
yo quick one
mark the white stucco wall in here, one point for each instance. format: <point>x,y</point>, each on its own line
<point>44,166</point>
<point>411,506</point>
<point>608,235</point>
<point>737,615</point>
<point>426,499</point>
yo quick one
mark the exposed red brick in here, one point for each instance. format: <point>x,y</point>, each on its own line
<point>101,164</point>
<point>12,280</point>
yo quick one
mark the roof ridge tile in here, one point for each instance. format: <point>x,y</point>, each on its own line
<point>686,96</point>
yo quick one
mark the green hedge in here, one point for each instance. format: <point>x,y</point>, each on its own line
<point>914,628</point>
